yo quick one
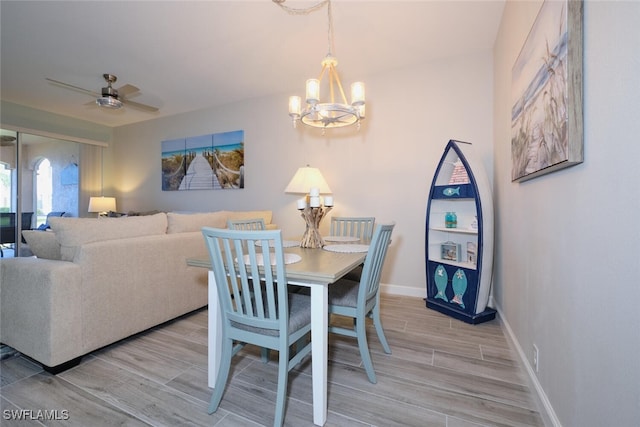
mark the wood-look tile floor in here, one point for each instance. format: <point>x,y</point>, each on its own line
<point>442,372</point>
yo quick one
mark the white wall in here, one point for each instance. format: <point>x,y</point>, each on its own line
<point>566,273</point>
<point>384,170</point>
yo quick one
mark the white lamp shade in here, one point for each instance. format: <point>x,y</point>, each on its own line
<point>305,179</point>
<point>102,204</point>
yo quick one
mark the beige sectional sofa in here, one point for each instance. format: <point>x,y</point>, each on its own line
<point>95,281</point>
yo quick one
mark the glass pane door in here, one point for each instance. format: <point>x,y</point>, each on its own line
<point>39,176</point>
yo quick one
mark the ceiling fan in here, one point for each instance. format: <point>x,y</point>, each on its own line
<point>110,97</point>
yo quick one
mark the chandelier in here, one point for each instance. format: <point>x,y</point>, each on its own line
<point>332,113</point>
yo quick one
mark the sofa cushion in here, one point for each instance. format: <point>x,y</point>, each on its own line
<point>182,223</point>
<point>43,244</point>
<point>73,232</point>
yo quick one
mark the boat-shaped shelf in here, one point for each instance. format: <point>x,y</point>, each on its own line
<point>459,251</point>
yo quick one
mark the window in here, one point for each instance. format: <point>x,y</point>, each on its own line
<point>43,190</point>
<point>5,187</point>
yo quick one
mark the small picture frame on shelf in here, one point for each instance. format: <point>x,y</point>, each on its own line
<point>450,251</point>
<point>472,251</point>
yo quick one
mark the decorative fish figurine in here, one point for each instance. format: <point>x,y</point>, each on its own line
<point>441,278</point>
<point>459,285</point>
<point>450,191</point>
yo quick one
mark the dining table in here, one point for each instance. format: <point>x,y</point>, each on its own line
<point>316,269</point>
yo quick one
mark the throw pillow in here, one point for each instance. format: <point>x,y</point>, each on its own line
<point>43,244</point>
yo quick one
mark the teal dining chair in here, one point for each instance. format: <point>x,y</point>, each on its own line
<point>353,226</point>
<point>266,316</point>
<point>360,227</point>
<point>250,224</point>
<point>360,300</point>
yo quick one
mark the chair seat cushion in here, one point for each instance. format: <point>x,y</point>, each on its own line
<point>299,316</point>
<point>344,293</point>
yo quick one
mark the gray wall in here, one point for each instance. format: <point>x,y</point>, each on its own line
<point>565,272</point>
<point>384,170</point>
<point>567,266</point>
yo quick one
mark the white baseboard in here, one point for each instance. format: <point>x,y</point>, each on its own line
<point>407,291</point>
<point>546,410</point>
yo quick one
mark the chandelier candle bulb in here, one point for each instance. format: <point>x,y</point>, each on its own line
<point>302,203</point>
<point>328,201</point>
<point>357,93</point>
<point>314,201</point>
<point>313,91</point>
<point>295,106</point>
<point>361,110</point>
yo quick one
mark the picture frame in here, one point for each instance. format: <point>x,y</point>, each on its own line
<point>450,251</point>
<point>472,253</point>
<point>546,90</point>
<point>206,162</point>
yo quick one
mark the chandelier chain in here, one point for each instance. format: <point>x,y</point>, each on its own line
<point>311,9</point>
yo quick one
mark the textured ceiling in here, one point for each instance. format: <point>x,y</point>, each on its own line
<point>190,55</point>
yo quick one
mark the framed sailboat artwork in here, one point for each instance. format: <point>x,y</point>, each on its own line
<point>546,90</point>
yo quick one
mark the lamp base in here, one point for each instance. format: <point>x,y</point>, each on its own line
<point>312,217</point>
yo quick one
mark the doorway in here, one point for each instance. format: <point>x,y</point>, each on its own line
<point>38,175</point>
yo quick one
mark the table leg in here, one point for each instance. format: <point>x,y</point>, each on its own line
<point>214,332</point>
<point>319,352</point>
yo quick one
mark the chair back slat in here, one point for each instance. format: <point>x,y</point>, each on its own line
<point>361,227</point>
<point>373,263</point>
<point>254,295</point>
<point>246,224</point>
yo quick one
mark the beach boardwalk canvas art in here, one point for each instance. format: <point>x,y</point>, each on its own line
<point>546,114</point>
<point>207,162</point>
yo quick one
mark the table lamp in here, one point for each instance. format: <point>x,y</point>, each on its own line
<point>310,182</point>
<point>102,205</point>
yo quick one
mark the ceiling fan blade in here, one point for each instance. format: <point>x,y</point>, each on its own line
<point>127,90</point>
<point>139,105</point>
<point>69,86</point>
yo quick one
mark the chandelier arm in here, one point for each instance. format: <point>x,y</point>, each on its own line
<point>332,77</point>
<point>324,68</point>
<point>337,77</point>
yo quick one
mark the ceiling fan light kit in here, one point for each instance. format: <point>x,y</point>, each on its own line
<point>109,97</point>
<point>109,102</point>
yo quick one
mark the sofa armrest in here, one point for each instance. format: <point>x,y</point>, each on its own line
<point>40,308</point>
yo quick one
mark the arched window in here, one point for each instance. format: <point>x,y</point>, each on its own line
<point>43,189</point>
<point>6,181</point>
